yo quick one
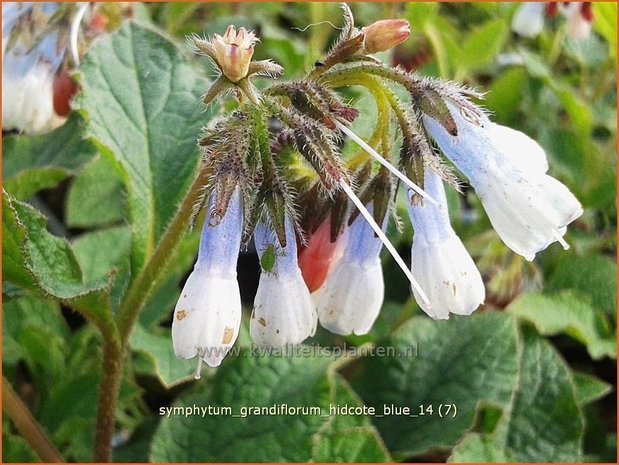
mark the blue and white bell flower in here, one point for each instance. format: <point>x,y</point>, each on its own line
<point>283,312</point>
<point>528,209</point>
<point>439,261</point>
<point>28,73</point>
<point>207,316</point>
<point>351,297</point>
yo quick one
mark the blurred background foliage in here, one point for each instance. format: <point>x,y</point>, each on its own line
<point>532,373</point>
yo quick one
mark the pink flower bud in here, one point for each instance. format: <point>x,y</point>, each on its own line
<point>234,51</point>
<point>385,34</point>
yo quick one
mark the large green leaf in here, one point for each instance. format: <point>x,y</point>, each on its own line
<point>143,104</point>
<point>593,275</point>
<point>159,358</point>
<point>96,197</point>
<point>567,313</point>
<point>479,448</point>
<point>544,423</point>
<point>466,361</point>
<point>32,163</point>
<point>35,260</point>
<point>250,380</point>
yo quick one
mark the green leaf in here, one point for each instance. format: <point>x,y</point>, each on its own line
<point>50,260</point>
<point>482,45</point>
<point>606,24</point>
<point>345,438</point>
<point>160,358</point>
<point>593,275</point>
<point>142,99</point>
<point>98,253</point>
<point>545,423</point>
<point>32,163</point>
<point>476,448</point>
<point>465,361</point>
<point>106,253</point>
<point>588,388</point>
<point>35,260</point>
<point>15,449</point>
<point>35,332</point>
<point>251,379</point>
<point>505,95</point>
<point>96,197</point>
<point>566,313</point>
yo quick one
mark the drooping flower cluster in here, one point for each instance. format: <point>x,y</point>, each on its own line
<point>42,43</point>
<point>528,21</point>
<point>318,219</point>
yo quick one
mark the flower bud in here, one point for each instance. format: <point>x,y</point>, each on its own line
<point>233,52</point>
<point>318,255</point>
<point>385,34</point>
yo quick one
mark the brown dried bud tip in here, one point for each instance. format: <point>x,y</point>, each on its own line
<point>385,34</point>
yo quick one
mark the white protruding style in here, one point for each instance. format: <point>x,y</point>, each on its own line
<point>386,242</point>
<point>373,153</point>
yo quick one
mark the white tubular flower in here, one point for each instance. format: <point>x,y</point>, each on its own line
<point>207,316</point>
<point>283,312</point>
<point>28,72</point>
<point>352,295</point>
<point>528,209</point>
<point>529,19</point>
<point>439,261</point>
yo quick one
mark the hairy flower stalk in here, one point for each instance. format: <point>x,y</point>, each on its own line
<point>439,260</point>
<point>207,316</point>
<point>277,174</point>
<point>283,311</point>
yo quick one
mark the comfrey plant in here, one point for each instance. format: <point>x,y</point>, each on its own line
<point>276,173</point>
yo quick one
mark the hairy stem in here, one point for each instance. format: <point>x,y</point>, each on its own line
<point>113,358</point>
<point>27,426</point>
<point>116,342</point>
